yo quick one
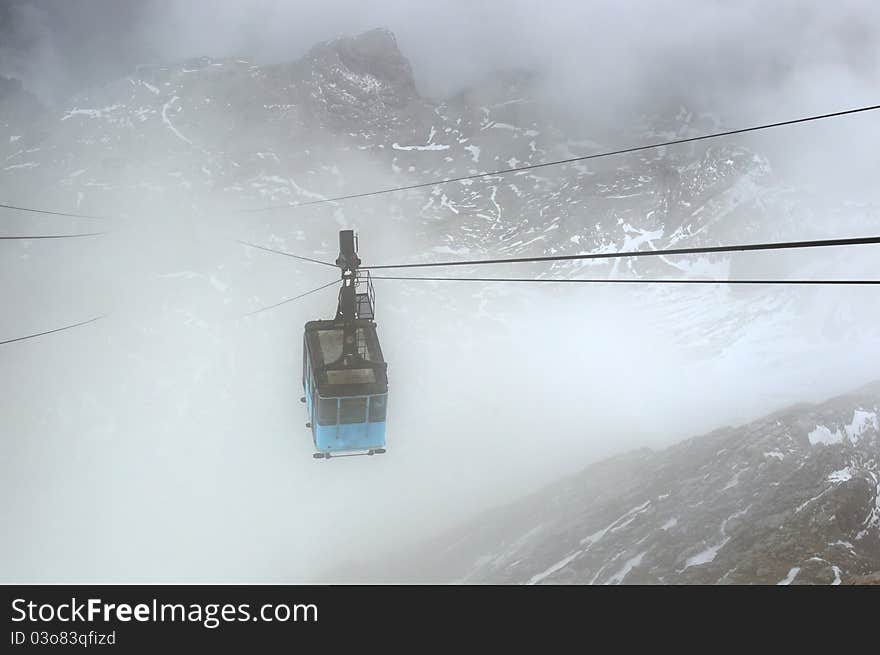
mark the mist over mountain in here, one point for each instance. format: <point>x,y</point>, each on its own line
<point>793,498</point>
<point>166,442</point>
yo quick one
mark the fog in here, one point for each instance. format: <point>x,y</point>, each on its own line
<point>606,53</point>
<point>166,442</point>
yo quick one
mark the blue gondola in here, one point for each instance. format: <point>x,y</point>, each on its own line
<point>344,373</point>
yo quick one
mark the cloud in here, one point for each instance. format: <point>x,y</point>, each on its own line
<point>596,53</point>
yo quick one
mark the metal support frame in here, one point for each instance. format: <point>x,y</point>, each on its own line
<point>351,303</point>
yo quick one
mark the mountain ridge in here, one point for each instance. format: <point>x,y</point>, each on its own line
<point>806,507</point>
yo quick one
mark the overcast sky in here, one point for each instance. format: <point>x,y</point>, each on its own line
<point>601,61</point>
<point>602,50</point>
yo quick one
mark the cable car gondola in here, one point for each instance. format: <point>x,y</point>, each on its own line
<point>344,373</point>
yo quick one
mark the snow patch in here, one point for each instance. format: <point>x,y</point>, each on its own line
<point>707,555</point>
<point>842,475</point>
<point>365,82</point>
<point>734,481</point>
<point>430,146</point>
<point>91,113</point>
<point>632,243</point>
<point>792,574</point>
<point>168,122</point>
<point>553,569</point>
<point>617,524</point>
<point>862,422</point>
<point>150,87</point>
<point>618,577</point>
<point>824,436</point>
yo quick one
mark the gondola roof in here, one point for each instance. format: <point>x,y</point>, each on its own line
<point>365,375</point>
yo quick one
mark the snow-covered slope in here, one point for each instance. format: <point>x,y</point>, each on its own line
<point>793,498</point>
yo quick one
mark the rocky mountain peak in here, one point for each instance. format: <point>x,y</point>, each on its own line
<point>373,55</point>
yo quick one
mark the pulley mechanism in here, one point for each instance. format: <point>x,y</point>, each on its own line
<point>356,297</point>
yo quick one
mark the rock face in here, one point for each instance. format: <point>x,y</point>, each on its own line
<point>228,131</point>
<point>793,498</point>
<point>348,117</point>
<point>256,135</point>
